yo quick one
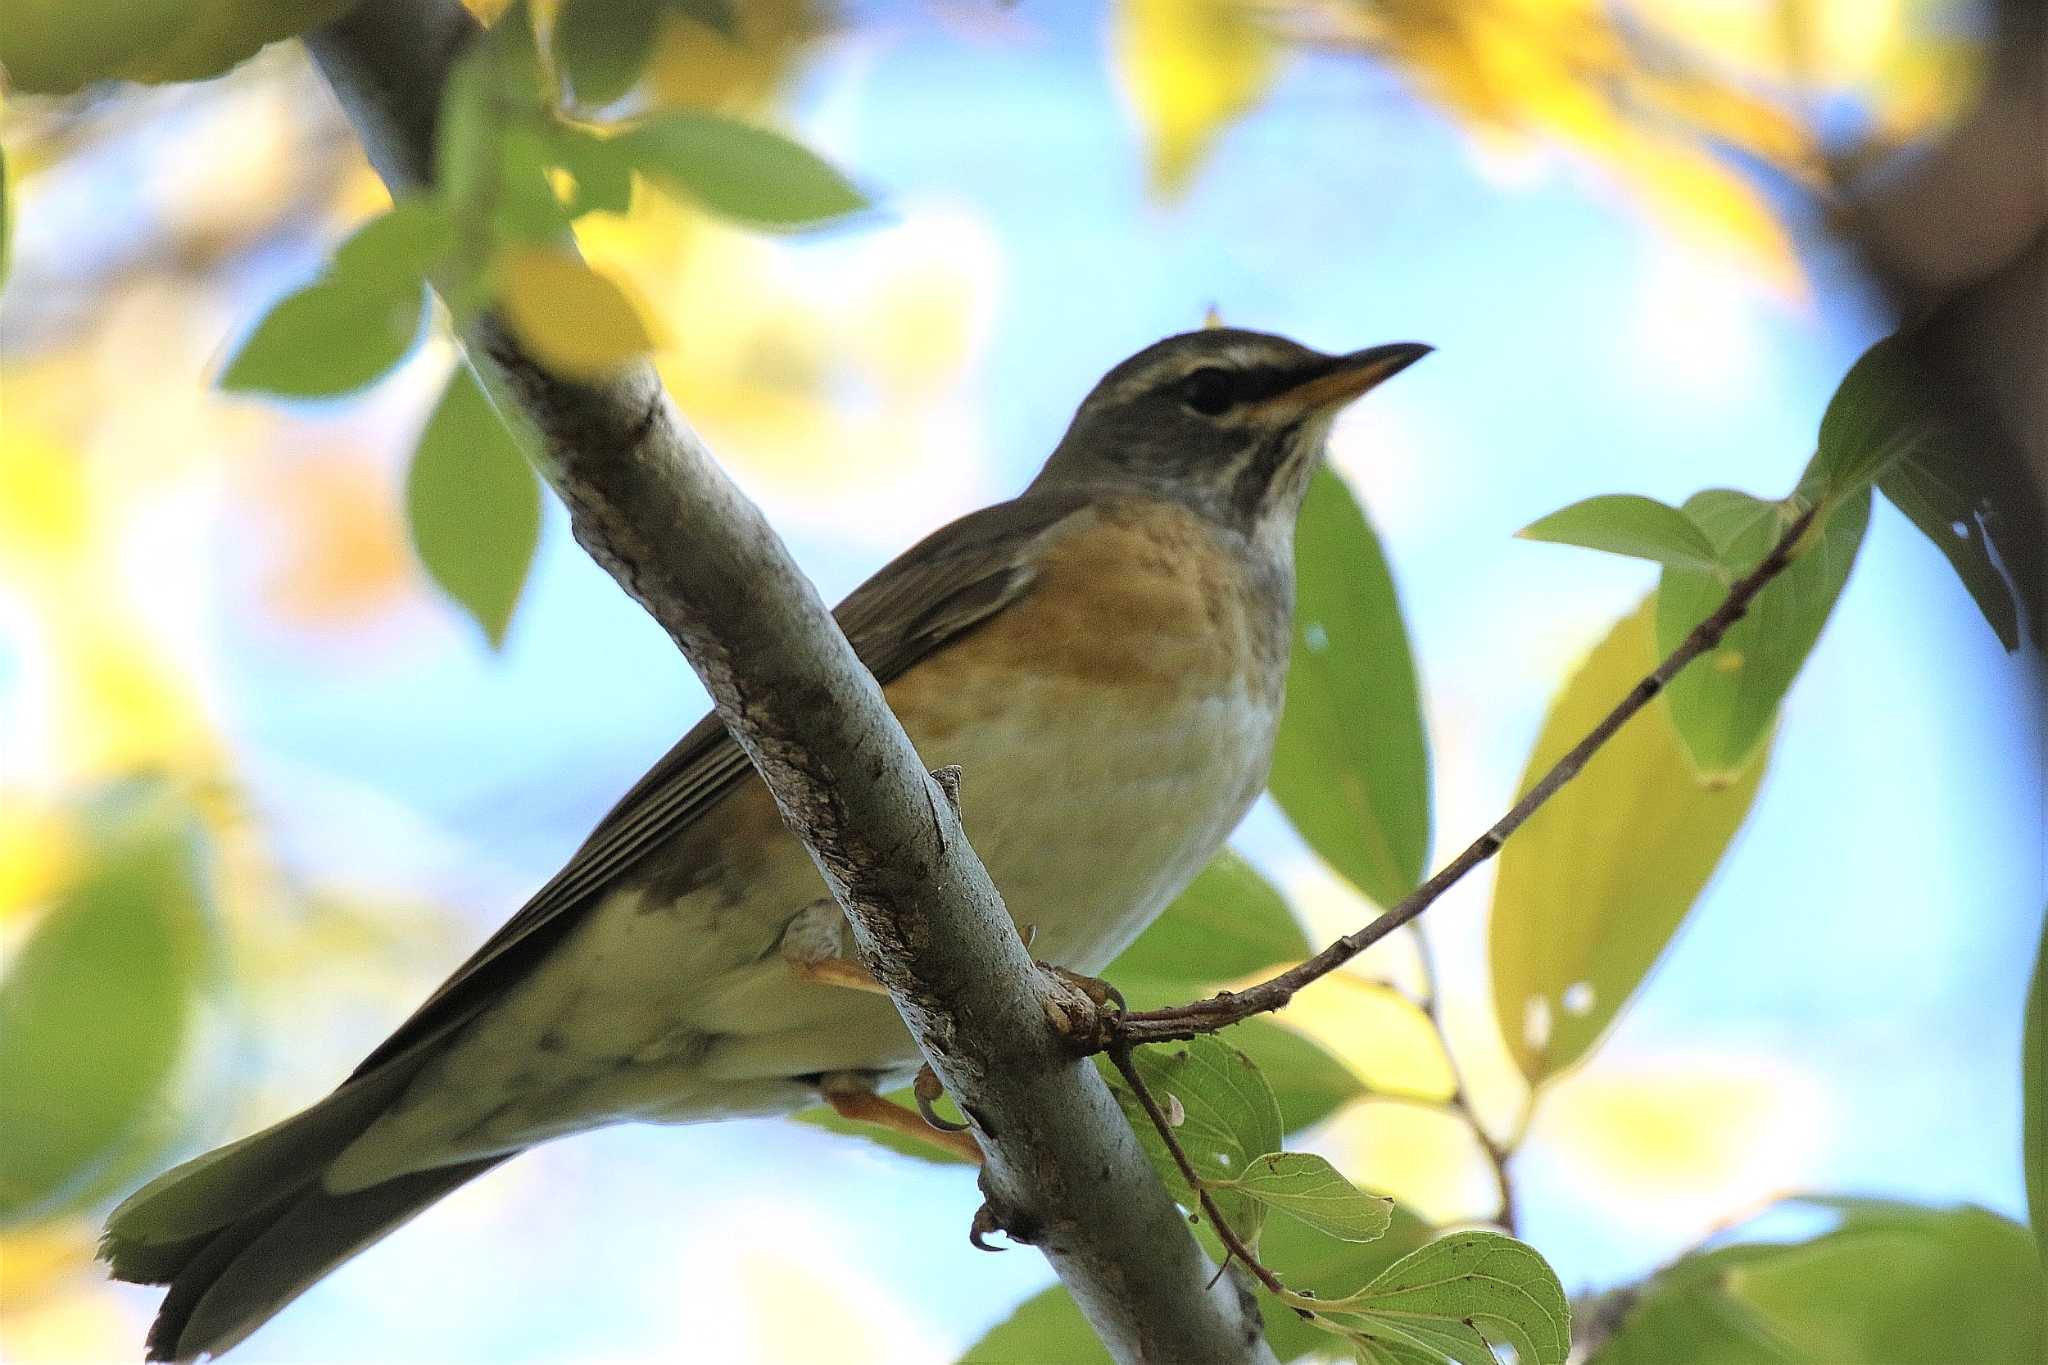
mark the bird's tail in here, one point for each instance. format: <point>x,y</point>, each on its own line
<point>240,1232</point>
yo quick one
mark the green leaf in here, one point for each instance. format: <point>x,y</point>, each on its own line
<point>328,339</point>
<point>1891,1284</point>
<point>1879,417</point>
<point>716,15</point>
<point>740,171</point>
<point>398,249</point>
<point>1460,1296</point>
<point>603,176</point>
<point>1952,496</point>
<point>2034,1088</point>
<point>1351,764</point>
<point>1624,524</point>
<point>1312,1190</point>
<point>1230,923</point>
<point>1308,1083</point>
<point>1227,1114</point>
<point>473,504</point>
<point>602,45</point>
<point>1048,1328</point>
<point>97,1005</point>
<point>1723,703</point>
<point>1593,887</point>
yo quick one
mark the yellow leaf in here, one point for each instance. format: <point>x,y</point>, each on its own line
<point>39,851</point>
<point>1672,1144</point>
<point>1189,67</point>
<point>694,65</point>
<point>578,323</point>
<point>1593,887</point>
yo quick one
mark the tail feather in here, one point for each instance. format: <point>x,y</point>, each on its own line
<point>248,1270</point>
<point>241,1231</point>
<point>228,1183</point>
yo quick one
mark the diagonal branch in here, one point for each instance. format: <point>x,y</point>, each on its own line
<point>1221,1011</point>
<point>647,501</point>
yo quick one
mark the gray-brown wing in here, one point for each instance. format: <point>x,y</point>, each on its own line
<point>953,580</point>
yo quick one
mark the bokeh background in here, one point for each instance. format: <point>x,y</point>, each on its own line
<point>1622,226</point>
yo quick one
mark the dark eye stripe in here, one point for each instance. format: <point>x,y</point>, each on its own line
<point>1264,381</point>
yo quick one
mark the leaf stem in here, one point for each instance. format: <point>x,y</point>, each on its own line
<point>1459,1101</point>
<point>1227,1008</point>
<point>1120,1057</point>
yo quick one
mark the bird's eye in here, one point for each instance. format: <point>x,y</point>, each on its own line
<point>1209,391</point>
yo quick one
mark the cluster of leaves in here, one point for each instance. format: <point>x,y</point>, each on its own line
<point>515,167</point>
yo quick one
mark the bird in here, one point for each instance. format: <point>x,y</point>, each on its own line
<point>1104,657</point>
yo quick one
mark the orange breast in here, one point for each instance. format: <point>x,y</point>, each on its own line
<point>1143,599</point>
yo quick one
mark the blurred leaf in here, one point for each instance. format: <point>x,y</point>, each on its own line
<point>716,15</point>
<point>1311,1189</point>
<point>1229,1116</point>
<point>1699,1324</point>
<point>1308,1083</point>
<point>1047,1328</point>
<point>351,326</point>
<point>578,324</point>
<point>489,158</point>
<point>604,177</point>
<point>602,45</point>
<point>1190,67</point>
<point>1593,887</point>
<point>219,34</point>
<point>1892,1284</point>
<point>398,249</point>
<point>96,1006</point>
<point>1723,703</point>
<point>57,47</point>
<point>821,1116</point>
<point>1351,764</point>
<point>2034,1094</point>
<point>1228,924</point>
<point>1624,524</point>
<point>473,504</point>
<point>333,337</point>
<point>1455,1298</point>
<point>740,171</point>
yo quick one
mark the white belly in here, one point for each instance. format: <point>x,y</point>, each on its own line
<point>1089,843</point>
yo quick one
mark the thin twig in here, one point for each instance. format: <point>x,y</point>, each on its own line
<point>1459,1101</point>
<point>1120,1057</point>
<point>1220,1011</point>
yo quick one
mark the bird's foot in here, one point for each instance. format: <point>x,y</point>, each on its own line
<point>852,1096</point>
<point>837,971</point>
<point>928,1089</point>
<point>1083,1009</point>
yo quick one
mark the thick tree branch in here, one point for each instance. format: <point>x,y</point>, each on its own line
<point>649,503</point>
<point>1221,1011</point>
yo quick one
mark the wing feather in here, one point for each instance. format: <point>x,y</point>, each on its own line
<point>952,581</point>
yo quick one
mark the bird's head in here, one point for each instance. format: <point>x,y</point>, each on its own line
<point>1230,421</point>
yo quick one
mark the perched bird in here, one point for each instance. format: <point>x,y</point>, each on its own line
<point>1104,657</point>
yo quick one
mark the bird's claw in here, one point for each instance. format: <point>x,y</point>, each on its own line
<point>1084,1009</point>
<point>985,1222</point>
<point>926,1090</point>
